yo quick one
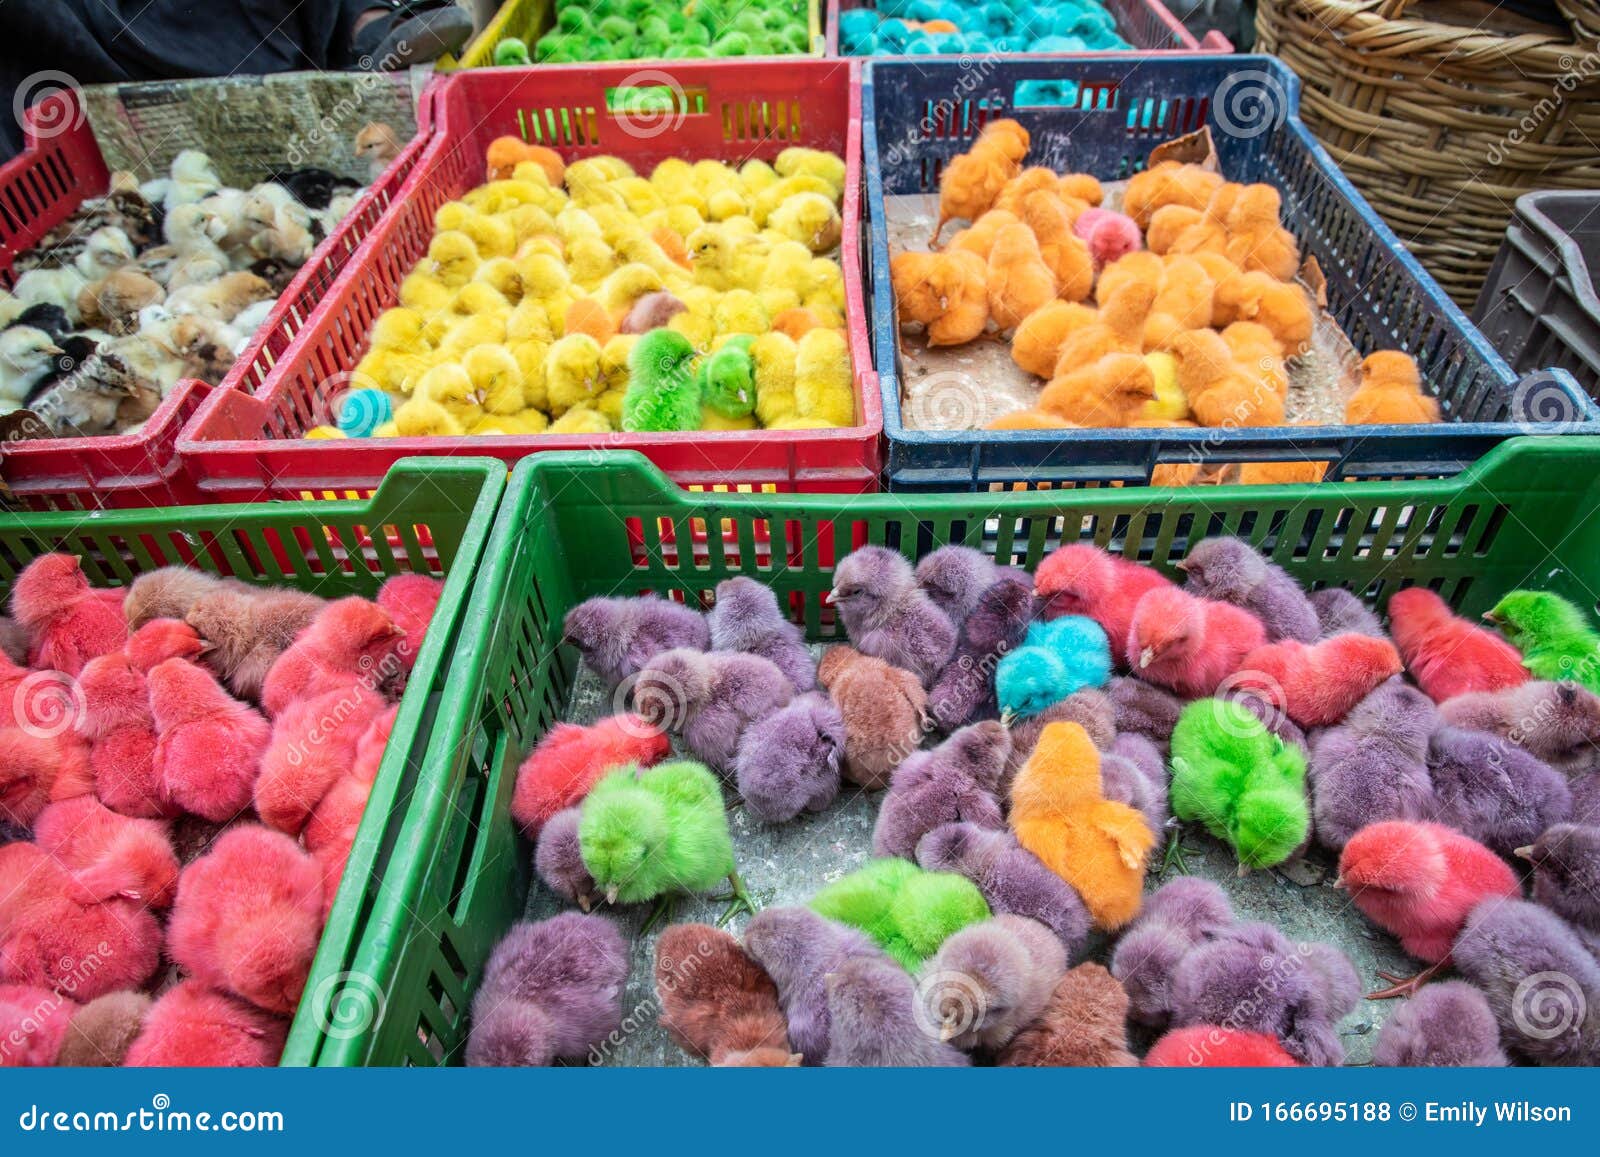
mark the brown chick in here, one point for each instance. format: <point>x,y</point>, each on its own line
<point>971,182</point>
<point>947,292</point>
<point>1168,183</point>
<point>979,236</point>
<point>99,1033</point>
<point>1390,392</point>
<point>113,303</point>
<point>1019,188</point>
<point>245,633</point>
<point>1019,280</point>
<point>1063,251</point>
<point>716,1001</point>
<point>1036,345</point>
<point>1140,265</point>
<point>885,711</point>
<point>1110,392</point>
<point>1084,1025</point>
<point>1256,239</point>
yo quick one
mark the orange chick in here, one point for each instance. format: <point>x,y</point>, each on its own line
<point>1390,392</point>
<point>1209,232</point>
<point>1059,813</point>
<point>1030,420</point>
<point>1125,311</point>
<point>1140,265</point>
<point>946,292</point>
<point>1036,345</point>
<point>586,315</point>
<point>672,244</point>
<point>506,153</point>
<point>971,182</point>
<point>979,236</point>
<point>1063,251</point>
<point>1111,392</point>
<point>1220,391</point>
<point>1080,187</point>
<point>1019,280</point>
<point>1256,239</point>
<point>1024,184</point>
<point>1183,302</point>
<point>1168,183</point>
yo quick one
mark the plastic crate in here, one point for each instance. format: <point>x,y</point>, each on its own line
<point>573,526</point>
<point>61,167</point>
<point>242,447</point>
<point>429,517</point>
<point>1377,291</point>
<point>1148,25</point>
<point>1539,305</point>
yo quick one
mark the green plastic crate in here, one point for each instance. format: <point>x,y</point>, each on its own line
<point>430,516</point>
<point>576,525</point>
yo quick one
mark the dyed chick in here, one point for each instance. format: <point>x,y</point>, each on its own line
<point>194,1025</point>
<point>1230,571</point>
<point>874,1020</point>
<point>571,759</point>
<point>790,760</point>
<point>101,1033</point>
<point>37,768</point>
<point>1554,636</point>
<point>1144,709</point>
<point>313,746</point>
<point>1012,879</point>
<point>410,600</point>
<point>1177,918</point>
<point>1060,814</point>
<point>1057,659</point>
<point>1556,722</point>
<point>1566,873</point>
<point>989,980</point>
<point>169,592</point>
<point>746,617</point>
<point>1134,772</point>
<point>1189,645</point>
<point>1340,613</point>
<point>558,860</point>
<point>1446,655</point>
<point>887,615</point>
<point>352,640</point>
<point>248,917</point>
<point>1244,784</point>
<point>709,698</point>
<point>1082,1025</point>
<point>245,633</point>
<point>1317,684</point>
<point>109,855</point>
<point>67,622</point>
<point>1448,1025</point>
<point>662,395</point>
<point>906,911</point>
<point>1205,1046</point>
<point>971,181</point>
<point>1419,882</point>
<point>209,746</point>
<point>798,950</point>
<point>884,710</point>
<point>955,577</point>
<point>955,782</point>
<point>946,292</point>
<point>1494,791</point>
<point>717,1002</point>
<point>656,833</point>
<point>997,625</point>
<point>1374,765</point>
<point>617,637</point>
<point>551,990</point>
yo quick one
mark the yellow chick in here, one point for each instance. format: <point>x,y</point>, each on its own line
<point>424,418</point>
<point>774,355</point>
<point>589,260</point>
<point>822,378</point>
<point>788,264</point>
<point>398,329</point>
<point>776,299</point>
<point>529,321</point>
<point>398,356</point>
<point>740,311</point>
<point>635,246</point>
<point>498,197</point>
<point>1170,403</point>
<point>673,179</point>
<point>447,385</point>
<point>581,420</point>
<point>531,357</point>
<point>614,372</point>
<point>575,221</point>
<point>545,245</point>
<point>828,167</point>
<point>573,375</point>
<point>700,331</point>
<point>528,222</point>
<point>727,203</point>
<point>324,433</point>
<point>624,286</point>
<point>774,195</point>
<point>756,175</point>
<point>482,329</point>
<point>480,299</point>
<point>639,195</point>
<point>493,237</point>
<point>809,218</point>
<point>454,258</point>
<point>711,177</point>
<point>681,219</point>
<point>502,274</point>
<point>496,377</point>
<point>725,260</point>
<point>527,422</point>
<point>823,286</point>
<point>424,292</point>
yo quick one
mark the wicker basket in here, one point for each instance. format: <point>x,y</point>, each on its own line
<point>1442,126</point>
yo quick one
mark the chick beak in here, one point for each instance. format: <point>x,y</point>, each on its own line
<point>54,351</point>
<point>1007,717</point>
<point>1490,617</point>
<point>1146,657</point>
<point>477,397</point>
<point>1244,870</point>
<point>435,266</point>
<point>585,902</point>
<point>944,303</point>
<point>1524,853</point>
<point>1183,565</point>
<point>1338,882</point>
<point>611,894</point>
<point>830,598</point>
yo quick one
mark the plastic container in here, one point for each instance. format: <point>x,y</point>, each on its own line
<point>1539,305</point>
<point>1148,25</point>
<point>460,875</point>
<point>241,447</point>
<point>429,516</point>
<point>1377,291</point>
<point>59,168</point>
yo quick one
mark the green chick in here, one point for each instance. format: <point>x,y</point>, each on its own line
<point>727,380</point>
<point>1553,635</point>
<point>907,911</point>
<point>652,834</point>
<point>1243,783</point>
<point>662,392</point>
<point>511,53</point>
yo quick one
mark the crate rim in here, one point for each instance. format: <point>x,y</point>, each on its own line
<point>1530,206</point>
<point>1212,42</point>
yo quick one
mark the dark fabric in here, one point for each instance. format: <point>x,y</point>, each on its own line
<point>108,41</point>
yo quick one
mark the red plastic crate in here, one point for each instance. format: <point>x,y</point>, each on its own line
<point>1148,25</point>
<point>61,167</point>
<point>244,447</point>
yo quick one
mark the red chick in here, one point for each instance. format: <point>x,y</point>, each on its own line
<point>38,768</point>
<point>1419,881</point>
<point>248,916</point>
<point>1448,655</point>
<point>122,736</point>
<point>208,744</point>
<point>570,760</point>
<point>351,639</point>
<point>410,600</point>
<point>1189,645</point>
<point>196,1026</point>
<point>331,831</point>
<point>1212,1046</point>
<point>313,744</point>
<point>1082,579</point>
<point>109,855</point>
<point>1316,684</point>
<point>68,624</point>
<point>160,640</point>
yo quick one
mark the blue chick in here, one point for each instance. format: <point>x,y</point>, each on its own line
<point>1056,659</point>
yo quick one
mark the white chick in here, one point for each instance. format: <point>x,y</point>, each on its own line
<point>52,286</point>
<point>193,180</point>
<point>248,321</point>
<point>10,307</point>
<point>26,358</point>
<point>106,251</point>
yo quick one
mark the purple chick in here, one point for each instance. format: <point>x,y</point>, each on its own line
<point>989,980</point>
<point>746,618</point>
<point>1556,722</point>
<point>1272,716</point>
<point>1446,1025</point>
<point>875,1021</point>
<point>964,690</point>
<point>1230,571</point>
<point>789,761</point>
<point>888,616</point>
<point>1566,873</point>
<point>1374,765</point>
<point>1090,709</point>
<point>1133,772</point>
<point>1586,798</point>
<point>1175,919</point>
<point>1144,709</point>
<point>559,862</point>
<point>617,637</point>
<point>799,949</point>
<point>1541,981</point>
<point>955,577</point>
<point>1252,977</point>
<point>551,990</point>
<point>1012,879</point>
<point>953,782</point>
<point>1492,790</point>
<point>1341,613</point>
<point>709,698</point>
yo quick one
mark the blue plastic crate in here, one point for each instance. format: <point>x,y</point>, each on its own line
<point>919,113</point>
